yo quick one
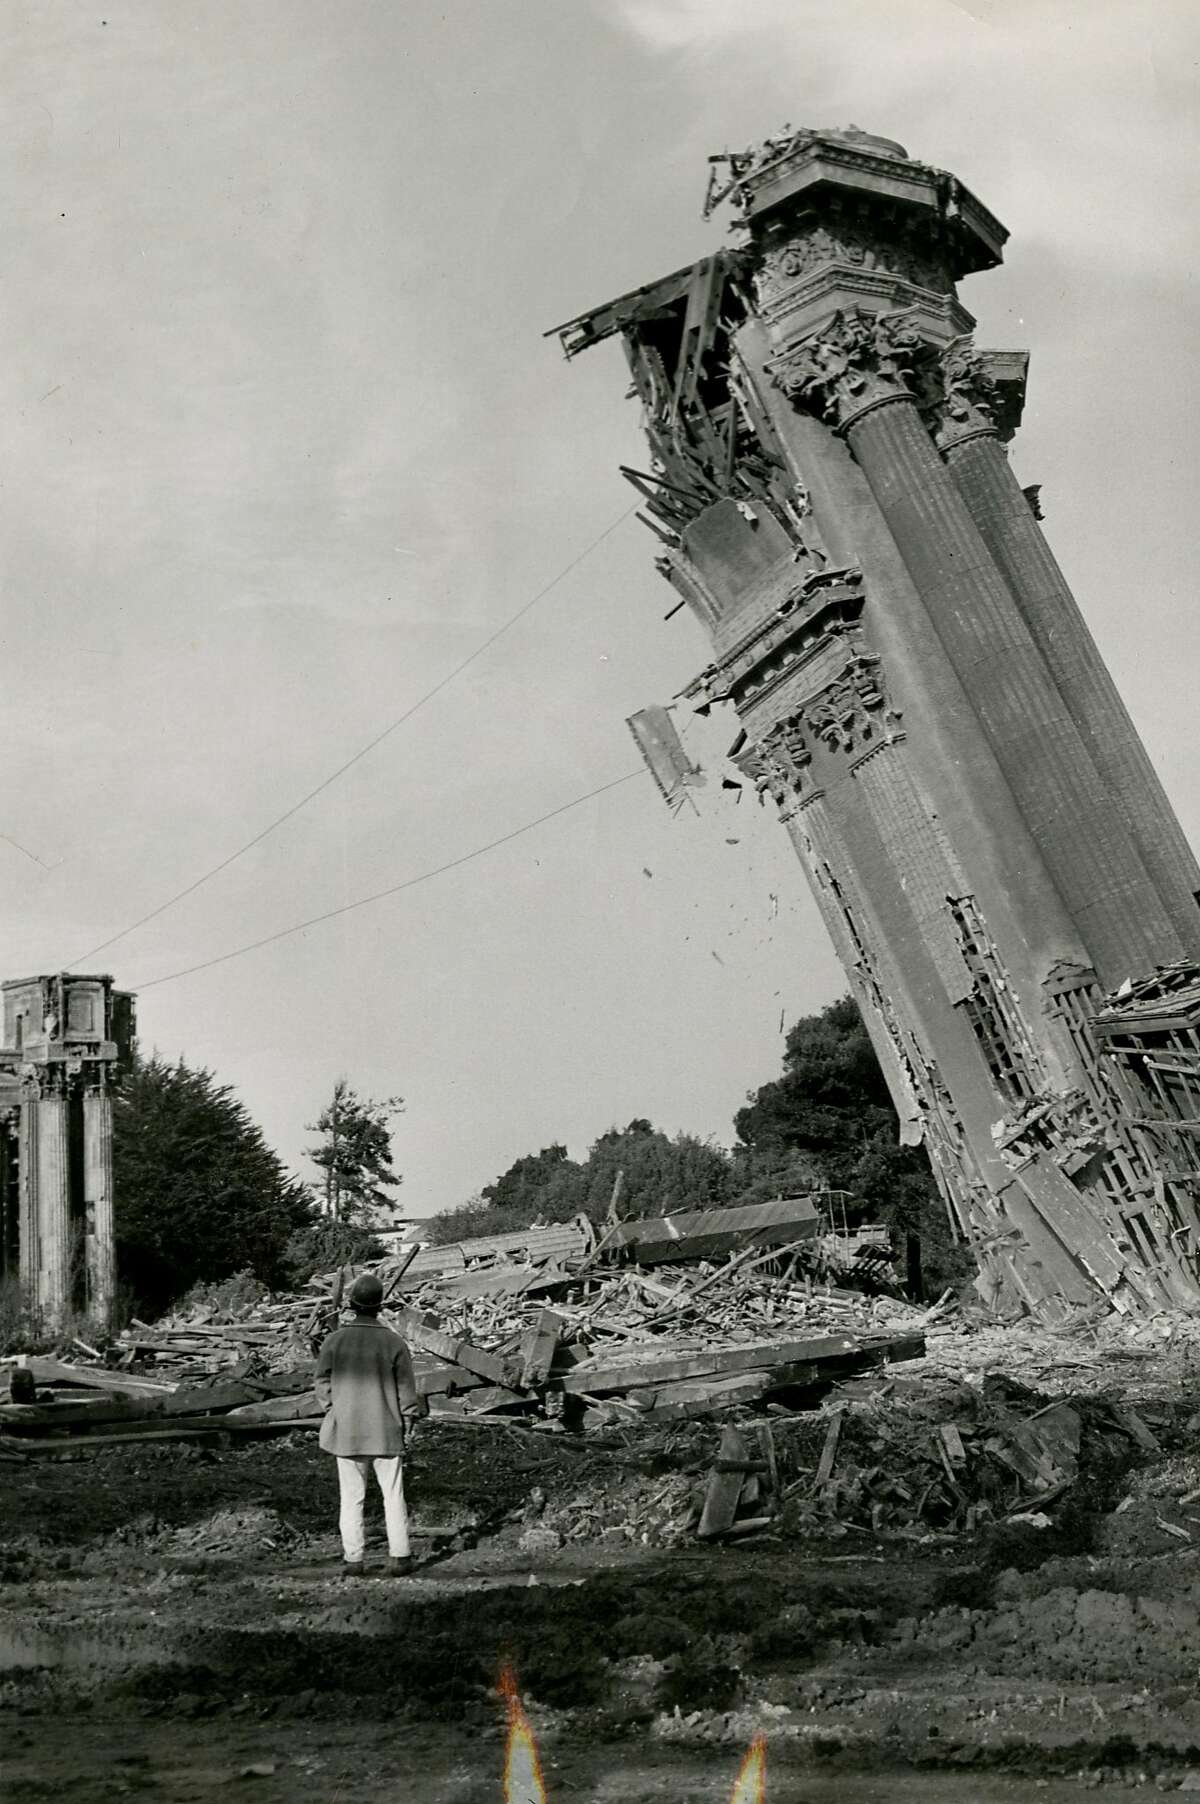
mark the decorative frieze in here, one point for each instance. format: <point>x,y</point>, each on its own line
<point>855,244</point>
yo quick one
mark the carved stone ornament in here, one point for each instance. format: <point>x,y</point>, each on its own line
<point>963,399</point>
<point>853,712</point>
<point>850,244</point>
<point>859,360</point>
<point>778,764</point>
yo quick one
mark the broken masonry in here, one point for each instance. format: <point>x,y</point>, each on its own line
<point>1002,875</point>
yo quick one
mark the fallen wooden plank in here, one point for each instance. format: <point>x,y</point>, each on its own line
<point>538,1348</point>
<point>479,1402</point>
<point>766,1443</point>
<point>951,1442</point>
<point>724,1486</point>
<point>423,1332</point>
<point>443,1380</point>
<point>627,1374</point>
<point>275,1409</point>
<point>192,1428</point>
<point>57,1371</point>
<point>825,1464</point>
<point>202,1400</point>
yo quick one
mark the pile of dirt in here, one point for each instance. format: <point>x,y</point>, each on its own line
<point>247,1531</point>
<point>1093,1626</point>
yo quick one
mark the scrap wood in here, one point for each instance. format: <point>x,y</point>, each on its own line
<point>724,1485</point>
<point>58,1371</point>
<point>16,1417</point>
<point>766,1442</point>
<point>599,1377</point>
<point>951,1440</point>
<point>1133,1425</point>
<point>825,1464</point>
<point>538,1348</point>
<point>697,1397</point>
<point>740,1261</point>
<point>750,1525</point>
<point>423,1332</point>
<point>277,1409</point>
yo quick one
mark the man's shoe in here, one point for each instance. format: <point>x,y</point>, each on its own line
<point>352,1568</point>
<point>400,1567</point>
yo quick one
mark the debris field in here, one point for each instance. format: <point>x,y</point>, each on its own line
<point>689,1502</point>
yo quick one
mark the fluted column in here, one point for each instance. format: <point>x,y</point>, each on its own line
<point>27,1181</point>
<point>53,1211</point>
<point>857,374</point>
<point>98,1202</point>
<point>970,443</point>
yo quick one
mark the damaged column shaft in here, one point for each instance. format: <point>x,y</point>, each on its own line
<point>1084,844</point>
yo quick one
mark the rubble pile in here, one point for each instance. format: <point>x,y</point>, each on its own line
<point>618,1345</point>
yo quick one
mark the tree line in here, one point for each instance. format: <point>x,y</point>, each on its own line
<point>826,1123</point>
<point>199,1195</point>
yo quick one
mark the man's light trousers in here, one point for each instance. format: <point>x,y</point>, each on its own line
<point>352,1484</point>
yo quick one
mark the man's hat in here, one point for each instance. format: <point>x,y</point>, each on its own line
<point>366,1294</point>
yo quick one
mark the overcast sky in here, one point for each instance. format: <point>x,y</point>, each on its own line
<point>283,442</point>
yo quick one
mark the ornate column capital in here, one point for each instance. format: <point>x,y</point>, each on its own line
<point>963,398</point>
<point>857,362</point>
<point>851,713</point>
<point>779,764</point>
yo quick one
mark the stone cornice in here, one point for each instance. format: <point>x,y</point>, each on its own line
<point>826,603</point>
<point>840,287</point>
<point>793,169</point>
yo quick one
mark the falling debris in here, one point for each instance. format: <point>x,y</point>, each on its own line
<point>662,748</point>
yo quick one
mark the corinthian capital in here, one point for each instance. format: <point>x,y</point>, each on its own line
<point>964,400</point>
<point>858,361</point>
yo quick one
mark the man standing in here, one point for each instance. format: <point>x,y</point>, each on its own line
<point>365,1384</point>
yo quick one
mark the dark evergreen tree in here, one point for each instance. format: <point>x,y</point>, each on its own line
<point>198,1194</point>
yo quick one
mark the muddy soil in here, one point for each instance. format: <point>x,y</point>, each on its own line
<point>175,1624</point>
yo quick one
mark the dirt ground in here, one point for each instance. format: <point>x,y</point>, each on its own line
<point>174,1624</point>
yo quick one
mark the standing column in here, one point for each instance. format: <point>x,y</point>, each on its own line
<point>857,374</point>
<point>970,442</point>
<point>98,1203</point>
<point>27,1181</point>
<point>53,1209</point>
